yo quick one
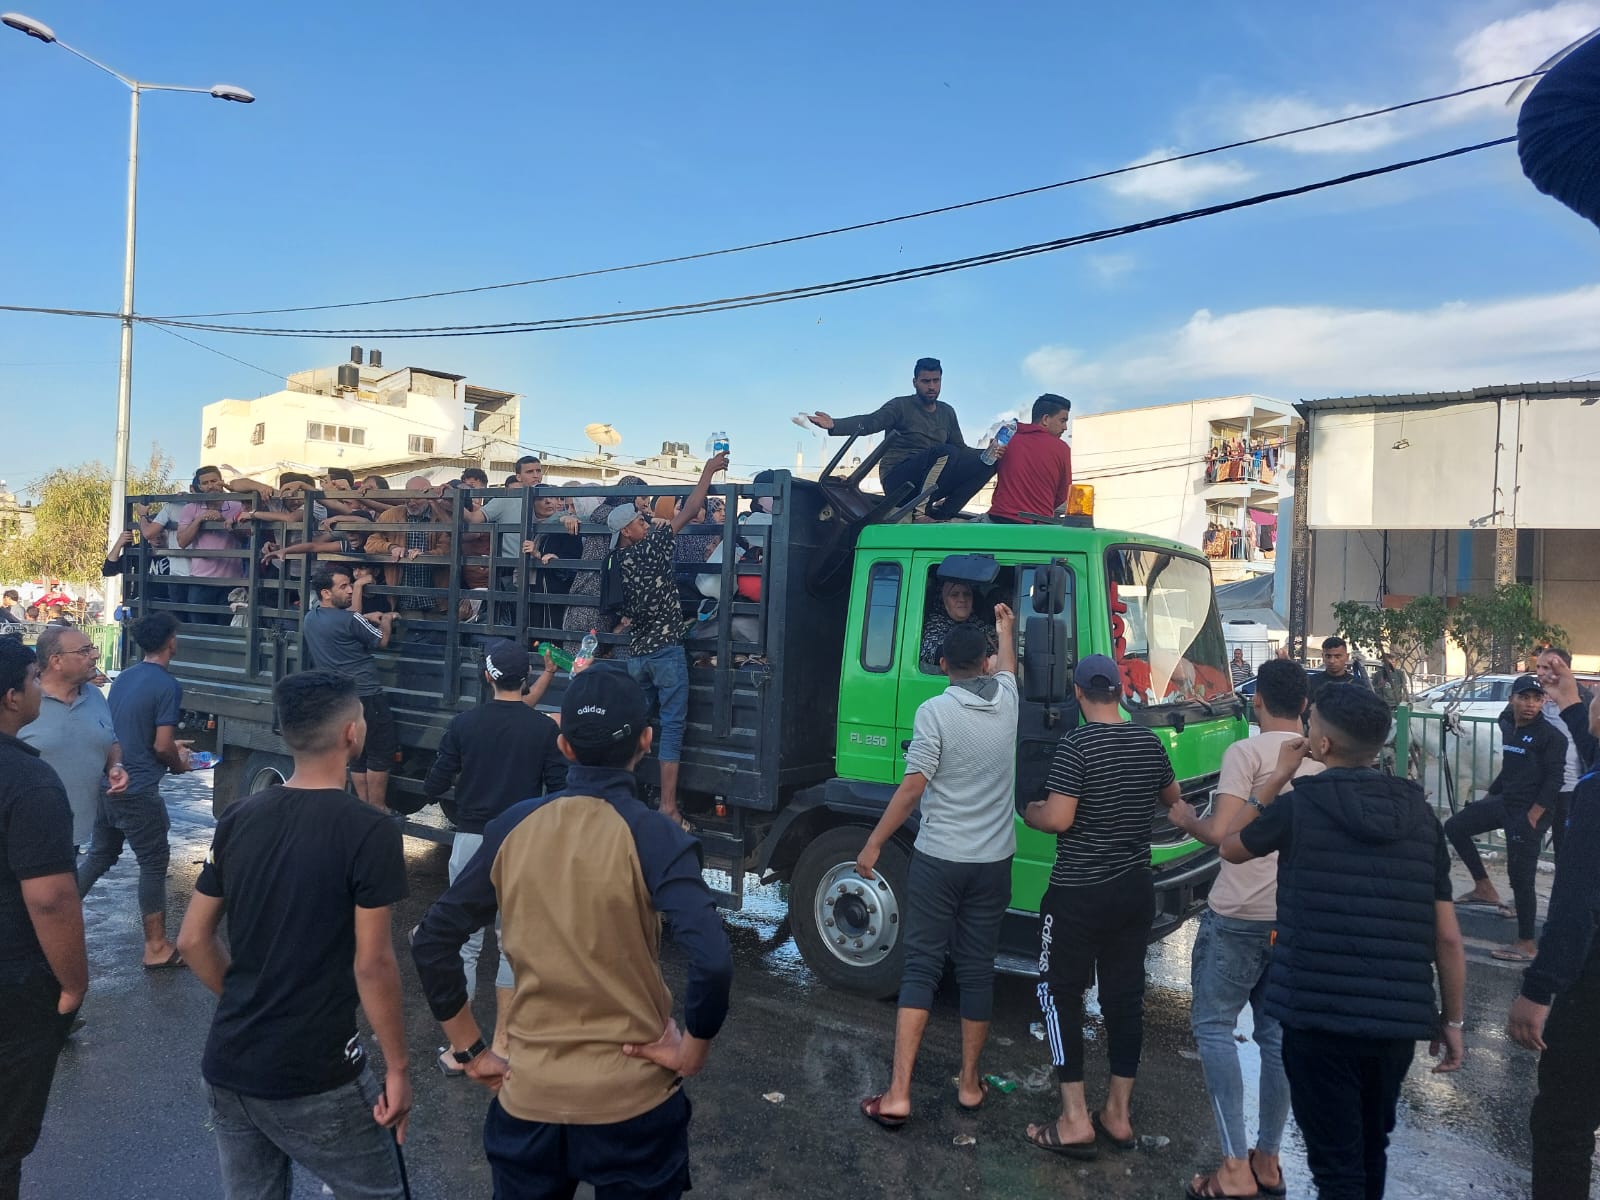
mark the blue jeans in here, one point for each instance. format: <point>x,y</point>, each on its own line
<point>461,852</point>
<point>1228,971</point>
<point>331,1134</point>
<point>140,820</point>
<point>664,675</point>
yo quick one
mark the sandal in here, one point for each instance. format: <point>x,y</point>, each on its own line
<point>872,1110</point>
<point>1276,1193</point>
<point>446,1062</point>
<point>1472,900</point>
<point>1048,1137</point>
<point>1208,1188</point>
<point>171,963</point>
<point>1511,954</point>
<point>1505,912</point>
<point>1124,1144</point>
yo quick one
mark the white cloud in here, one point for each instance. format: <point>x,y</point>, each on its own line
<point>1320,351</point>
<point>1110,268</point>
<point>1181,183</point>
<point>1258,118</point>
<point>1518,44</point>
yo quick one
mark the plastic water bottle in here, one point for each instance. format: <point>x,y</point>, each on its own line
<point>1001,437</point>
<point>201,760</point>
<point>586,651</point>
<point>557,655</point>
<point>717,444</point>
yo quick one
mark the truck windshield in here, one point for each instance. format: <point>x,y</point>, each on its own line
<point>1165,628</point>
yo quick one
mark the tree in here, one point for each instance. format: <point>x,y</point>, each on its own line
<point>1409,633</point>
<point>68,541</point>
<point>1494,629</point>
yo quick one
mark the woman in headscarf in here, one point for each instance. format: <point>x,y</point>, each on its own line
<point>579,619</point>
<point>955,608</point>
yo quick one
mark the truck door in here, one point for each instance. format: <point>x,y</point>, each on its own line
<point>868,742</point>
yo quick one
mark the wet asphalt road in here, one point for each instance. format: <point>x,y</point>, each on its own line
<point>127,1118</point>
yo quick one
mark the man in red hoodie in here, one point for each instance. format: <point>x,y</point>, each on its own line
<point>1036,472</point>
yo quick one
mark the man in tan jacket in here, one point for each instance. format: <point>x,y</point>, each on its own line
<point>591,1088</point>
<point>407,542</point>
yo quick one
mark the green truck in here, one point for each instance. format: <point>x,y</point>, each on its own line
<point>796,737</point>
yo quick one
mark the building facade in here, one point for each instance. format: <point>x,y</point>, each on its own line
<point>1452,493</point>
<point>1211,473</point>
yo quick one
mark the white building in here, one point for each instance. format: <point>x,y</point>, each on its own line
<point>368,418</point>
<point>1207,472</point>
<point>1447,493</point>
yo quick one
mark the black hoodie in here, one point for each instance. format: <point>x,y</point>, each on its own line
<point>1362,861</point>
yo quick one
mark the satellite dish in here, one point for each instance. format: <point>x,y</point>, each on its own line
<point>601,435</point>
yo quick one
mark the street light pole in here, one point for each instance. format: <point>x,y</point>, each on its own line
<point>119,468</point>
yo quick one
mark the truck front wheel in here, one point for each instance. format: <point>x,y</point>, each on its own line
<point>850,930</point>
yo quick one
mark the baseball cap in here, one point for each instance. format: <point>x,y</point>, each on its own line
<point>620,518</point>
<point>506,660</point>
<point>602,707</point>
<point>1097,673</point>
<point>1527,683</point>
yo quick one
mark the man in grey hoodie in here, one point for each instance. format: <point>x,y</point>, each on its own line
<point>961,766</point>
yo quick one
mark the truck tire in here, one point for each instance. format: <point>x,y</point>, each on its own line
<point>850,930</point>
<point>262,770</point>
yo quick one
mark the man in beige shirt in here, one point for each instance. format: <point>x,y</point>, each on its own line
<point>1229,966</point>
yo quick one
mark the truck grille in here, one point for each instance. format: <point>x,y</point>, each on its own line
<point>1200,792</point>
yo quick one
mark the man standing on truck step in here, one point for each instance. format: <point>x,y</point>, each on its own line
<point>923,445</point>
<point>1522,802</point>
<point>44,966</point>
<point>305,875</point>
<point>342,640</point>
<point>146,705</point>
<point>592,1087</point>
<point>1364,917</point>
<point>494,755</point>
<point>652,612</point>
<point>961,770</point>
<point>1234,945</point>
<point>1035,474</point>
<point>1096,914</point>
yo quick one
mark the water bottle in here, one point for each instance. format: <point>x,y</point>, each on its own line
<point>1001,437</point>
<point>586,651</point>
<point>201,760</point>
<point>717,444</point>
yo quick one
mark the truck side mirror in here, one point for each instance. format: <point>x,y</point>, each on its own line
<point>1044,660</point>
<point>1049,590</point>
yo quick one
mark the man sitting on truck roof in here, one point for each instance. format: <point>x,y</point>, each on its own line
<point>1035,474</point>
<point>923,445</point>
<point>650,610</point>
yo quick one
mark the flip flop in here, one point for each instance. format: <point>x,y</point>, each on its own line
<point>447,1064</point>
<point>872,1110</point>
<point>1505,912</point>
<point>1275,1193</point>
<point>1210,1189</point>
<point>1048,1137</point>
<point>1468,900</point>
<point>983,1087</point>
<point>1510,955</point>
<point>1100,1130</point>
<point>172,963</point>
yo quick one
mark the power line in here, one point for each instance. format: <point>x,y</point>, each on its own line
<point>811,291</point>
<point>913,216</point>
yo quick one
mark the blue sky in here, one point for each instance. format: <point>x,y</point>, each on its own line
<point>398,147</point>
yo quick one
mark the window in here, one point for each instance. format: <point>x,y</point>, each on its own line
<point>345,434</point>
<point>258,434</point>
<point>211,438</point>
<point>953,603</point>
<point>1165,628</point>
<point>417,444</point>
<point>883,609</point>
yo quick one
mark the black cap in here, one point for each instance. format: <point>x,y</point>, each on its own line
<point>506,662</point>
<point>1097,673</point>
<point>1527,683</point>
<point>602,707</point>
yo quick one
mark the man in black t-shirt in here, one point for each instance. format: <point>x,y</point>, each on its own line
<point>44,969</point>
<point>342,640</point>
<point>1364,914</point>
<point>1106,780</point>
<point>306,875</point>
<point>1336,670</point>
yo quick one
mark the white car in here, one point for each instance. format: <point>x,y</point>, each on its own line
<point>1485,696</point>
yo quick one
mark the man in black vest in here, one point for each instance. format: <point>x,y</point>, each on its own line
<point>1364,915</point>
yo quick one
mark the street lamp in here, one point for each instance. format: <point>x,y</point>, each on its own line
<point>222,91</point>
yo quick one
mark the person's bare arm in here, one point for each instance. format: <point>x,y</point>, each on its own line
<point>199,941</point>
<point>1451,958</point>
<point>1210,830</point>
<point>385,624</point>
<point>378,984</point>
<point>535,694</point>
<point>57,916</point>
<point>697,498</point>
<point>1054,814</point>
<point>1005,628</point>
<point>187,533</point>
<point>171,751</point>
<point>901,805</point>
